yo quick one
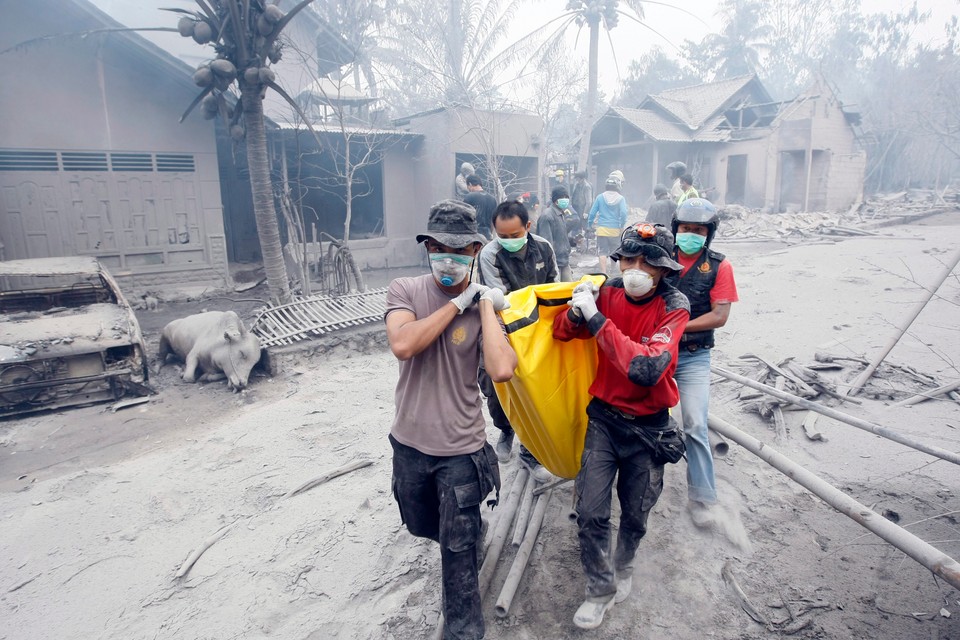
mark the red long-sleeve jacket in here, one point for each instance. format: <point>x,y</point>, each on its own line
<point>637,346</point>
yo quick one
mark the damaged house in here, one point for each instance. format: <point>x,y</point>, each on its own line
<point>93,161</point>
<point>740,145</point>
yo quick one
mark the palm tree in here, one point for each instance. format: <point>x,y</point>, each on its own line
<point>244,34</point>
<point>593,14</point>
<point>736,50</point>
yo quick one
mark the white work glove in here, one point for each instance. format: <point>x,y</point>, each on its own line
<point>588,285</point>
<point>468,296</point>
<point>496,298</point>
<point>583,303</point>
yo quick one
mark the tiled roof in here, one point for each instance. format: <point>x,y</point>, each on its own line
<point>693,105</point>
<point>653,124</point>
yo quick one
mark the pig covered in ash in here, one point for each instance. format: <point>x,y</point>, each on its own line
<point>216,342</point>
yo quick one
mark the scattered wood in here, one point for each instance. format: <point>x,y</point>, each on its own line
<point>745,603</point>
<point>933,393</point>
<point>780,425</point>
<point>199,551</point>
<point>326,477</point>
<point>131,402</point>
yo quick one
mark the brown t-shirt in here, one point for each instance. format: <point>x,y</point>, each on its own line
<point>437,398</point>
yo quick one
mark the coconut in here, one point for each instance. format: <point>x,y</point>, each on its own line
<point>203,76</point>
<point>273,13</point>
<point>237,132</point>
<point>264,27</point>
<point>224,69</point>
<point>185,26</point>
<point>251,75</point>
<point>202,33</point>
<point>275,53</point>
<point>267,75</point>
<point>211,107</point>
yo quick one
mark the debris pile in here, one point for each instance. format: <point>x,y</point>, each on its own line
<point>827,378</point>
<point>739,222</point>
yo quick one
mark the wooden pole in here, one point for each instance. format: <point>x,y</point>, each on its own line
<point>523,557</point>
<point>523,513</point>
<point>948,268</point>
<point>500,532</point>
<point>933,393</point>
<point>839,415</point>
<point>927,555</point>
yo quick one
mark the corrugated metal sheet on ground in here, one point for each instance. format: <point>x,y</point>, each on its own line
<point>312,316</point>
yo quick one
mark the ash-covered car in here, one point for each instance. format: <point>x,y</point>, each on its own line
<point>67,336</point>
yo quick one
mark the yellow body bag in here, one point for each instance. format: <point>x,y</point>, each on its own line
<point>546,400</point>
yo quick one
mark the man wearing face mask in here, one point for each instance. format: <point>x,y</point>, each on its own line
<point>552,225</point>
<point>515,259</point>
<point>707,281</point>
<point>438,325</point>
<point>637,320</point>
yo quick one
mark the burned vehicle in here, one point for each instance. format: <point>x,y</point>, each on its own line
<point>67,336</point>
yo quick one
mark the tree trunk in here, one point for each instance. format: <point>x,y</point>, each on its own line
<point>268,230</point>
<point>583,163</point>
<point>348,175</point>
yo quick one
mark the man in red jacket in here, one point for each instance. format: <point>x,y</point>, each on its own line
<point>637,319</point>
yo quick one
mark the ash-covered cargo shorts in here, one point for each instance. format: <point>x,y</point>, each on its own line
<point>439,498</point>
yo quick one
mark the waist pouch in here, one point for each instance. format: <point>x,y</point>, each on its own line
<point>488,472</point>
<point>659,432</point>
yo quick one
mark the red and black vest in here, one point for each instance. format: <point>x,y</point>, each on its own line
<point>696,285</point>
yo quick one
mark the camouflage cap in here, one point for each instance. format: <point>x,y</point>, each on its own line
<point>453,223</point>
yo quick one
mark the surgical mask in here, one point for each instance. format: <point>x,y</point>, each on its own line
<point>563,203</point>
<point>449,268</point>
<point>637,283</point>
<point>690,243</point>
<point>513,244</point>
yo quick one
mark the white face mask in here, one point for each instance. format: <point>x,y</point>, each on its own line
<point>637,283</point>
<point>450,268</point>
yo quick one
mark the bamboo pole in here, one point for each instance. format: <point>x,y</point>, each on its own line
<point>840,416</point>
<point>948,268</point>
<point>500,532</point>
<point>718,445</point>
<point>492,557</point>
<point>523,557</point>
<point>933,393</point>
<point>523,513</point>
<point>932,558</point>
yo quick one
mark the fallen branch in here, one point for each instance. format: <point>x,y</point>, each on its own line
<point>745,604</point>
<point>199,551</point>
<point>326,477</point>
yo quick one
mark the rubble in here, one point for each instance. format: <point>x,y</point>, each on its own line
<point>861,220</point>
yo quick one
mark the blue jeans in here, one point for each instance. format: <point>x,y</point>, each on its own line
<point>693,378</point>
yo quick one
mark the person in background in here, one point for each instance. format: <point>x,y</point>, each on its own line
<point>609,213</point>
<point>482,202</point>
<point>707,281</point>
<point>582,196</point>
<point>676,169</point>
<point>686,184</point>
<point>663,207</point>
<point>552,226</point>
<point>460,184</point>
<point>438,325</point>
<point>514,260</point>
<point>635,319</point>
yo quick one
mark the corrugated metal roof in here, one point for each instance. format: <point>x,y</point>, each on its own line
<point>694,105</point>
<point>653,124</point>
<point>332,127</point>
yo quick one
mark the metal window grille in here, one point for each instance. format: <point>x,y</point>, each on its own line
<point>131,161</point>
<point>83,161</point>
<point>19,160</point>
<point>175,162</point>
